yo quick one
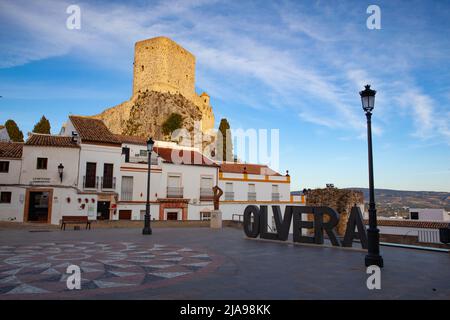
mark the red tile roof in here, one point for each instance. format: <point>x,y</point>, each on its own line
<point>410,223</point>
<point>93,130</point>
<point>247,168</point>
<point>131,139</point>
<point>11,150</point>
<point>182,156</point>
<point>51,141</point>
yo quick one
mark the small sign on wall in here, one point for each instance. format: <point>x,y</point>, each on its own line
<point>91,211</point>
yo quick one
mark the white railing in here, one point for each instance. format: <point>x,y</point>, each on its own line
<point>429,236</point>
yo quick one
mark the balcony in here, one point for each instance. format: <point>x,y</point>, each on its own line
<point>174,192</point>
<point>108,183</point>
<point>251,196</point>
<point>140,159</point>
<point>90,182</point>
<point>275,196</point>
<point>206,194</point>
<point>229,196</point>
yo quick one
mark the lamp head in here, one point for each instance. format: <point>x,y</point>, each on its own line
<point>150,144</point>
<point>368,99</point>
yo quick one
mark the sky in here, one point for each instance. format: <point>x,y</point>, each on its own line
<point>295,66</point>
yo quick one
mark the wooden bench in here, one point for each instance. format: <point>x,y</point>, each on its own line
<point>75,220</point>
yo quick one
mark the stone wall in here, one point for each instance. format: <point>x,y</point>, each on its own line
<point>341,200</point>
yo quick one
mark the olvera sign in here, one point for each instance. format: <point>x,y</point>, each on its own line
<point>255,223</point>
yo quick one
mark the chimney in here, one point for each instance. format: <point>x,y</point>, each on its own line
<point>74,137</point>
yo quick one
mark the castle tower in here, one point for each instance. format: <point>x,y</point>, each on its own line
<point>160,64</point>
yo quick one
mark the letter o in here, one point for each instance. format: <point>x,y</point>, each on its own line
<point>251,229</point>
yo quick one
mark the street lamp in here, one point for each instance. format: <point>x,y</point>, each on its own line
<point>373,234</point>
<point>60,171</point>
<point>147,229</point>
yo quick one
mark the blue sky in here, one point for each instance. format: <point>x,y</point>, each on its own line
<point>294,66</point>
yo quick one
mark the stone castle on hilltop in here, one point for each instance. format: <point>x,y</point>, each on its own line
<point>163,83</point>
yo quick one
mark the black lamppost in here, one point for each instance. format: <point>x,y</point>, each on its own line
<point>60,171</point>
<point>147,229</point>
<point>373,234</point>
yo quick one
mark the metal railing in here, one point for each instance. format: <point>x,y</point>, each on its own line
<point>206,194</point>
<point>108,183</point>
<point>240,217</point>
<point>229,196</point>
<point>90,183</point>
<point>275,196</point>
<point>143,159</point>
<point>251,196</point>
<point>174,192</point>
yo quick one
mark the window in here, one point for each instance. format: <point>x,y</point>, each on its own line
<point>174,189</point>
<point>251,192</point>
<point>275,193</point>
<point>127,188</point>
<point>143,153</point>
<point>5,197</point>
<point>90,178</point>
<point>414,216</point>
<point>41,164</point>
<point>205,216</point>
<point>206,184</point>
<point>108,176</point>
<point>229,194</point>
<point>4,166</point>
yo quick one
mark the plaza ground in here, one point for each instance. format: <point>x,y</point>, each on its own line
<point>202,263</point>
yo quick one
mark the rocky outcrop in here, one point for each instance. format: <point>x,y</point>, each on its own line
<point>341,200</point>
<point>144,115</point>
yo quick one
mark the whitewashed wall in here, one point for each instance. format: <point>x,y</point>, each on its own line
<point>67,156</point>
<point>100,155</point>
<point>13,211</point>
<point>13,174</point>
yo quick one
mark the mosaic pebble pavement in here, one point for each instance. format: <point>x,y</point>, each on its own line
<point>40,269</point>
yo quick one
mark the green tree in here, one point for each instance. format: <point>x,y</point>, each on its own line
<point>13,131</point>
<point>173,122</point>
<point>224,142</point>
<point>43,126</point>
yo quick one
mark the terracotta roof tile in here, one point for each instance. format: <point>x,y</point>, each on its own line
<point>51,141</point>
<point>247,168</point>
<point>131,139</point>
<point>411,223</point>
<point>182,156</point>
<point>11,150</point>
<point>93,130</point>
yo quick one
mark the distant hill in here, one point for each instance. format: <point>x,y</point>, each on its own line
<point>390,202</point>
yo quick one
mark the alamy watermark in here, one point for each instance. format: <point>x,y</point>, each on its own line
<point>373,22</point>
<point>73,21</point>
<point>374,280</point>
<point>73,281</point>
<point>250,145</point>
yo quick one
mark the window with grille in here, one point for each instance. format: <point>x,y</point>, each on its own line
<point>127,188</point>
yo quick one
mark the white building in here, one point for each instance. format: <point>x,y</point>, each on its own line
<point>88,171</point>
<point>426,214</point>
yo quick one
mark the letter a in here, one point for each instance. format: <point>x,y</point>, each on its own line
<point>74,280</point>
<point>374,280</point>
<point>374,20</point>
<point>74,20</point>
